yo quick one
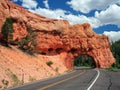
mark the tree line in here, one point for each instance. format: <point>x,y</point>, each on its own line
<point>84,60</point>
<point>115,48</point>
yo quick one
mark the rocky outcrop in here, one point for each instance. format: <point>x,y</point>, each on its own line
<point>55,37</point>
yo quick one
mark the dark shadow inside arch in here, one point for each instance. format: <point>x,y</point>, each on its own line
<point>84,61</point>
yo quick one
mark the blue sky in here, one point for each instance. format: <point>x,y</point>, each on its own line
<point>103,15</point>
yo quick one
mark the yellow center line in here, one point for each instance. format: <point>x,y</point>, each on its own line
<point>56,83</point>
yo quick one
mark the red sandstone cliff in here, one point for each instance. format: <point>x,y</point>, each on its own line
<point>58,36</point>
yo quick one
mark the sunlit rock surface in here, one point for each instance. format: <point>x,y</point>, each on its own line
<point>56,37</point>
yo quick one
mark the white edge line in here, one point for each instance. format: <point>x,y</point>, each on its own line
<point>94,80</point>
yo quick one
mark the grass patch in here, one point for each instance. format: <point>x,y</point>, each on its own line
<point>14,77</point>
<point>115,69</point>
<point>31,79</point>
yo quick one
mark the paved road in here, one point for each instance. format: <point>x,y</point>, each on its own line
<point>80,79</point>
<point>108,80</point>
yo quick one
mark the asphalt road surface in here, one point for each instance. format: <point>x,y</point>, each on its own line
<point>79,79</point>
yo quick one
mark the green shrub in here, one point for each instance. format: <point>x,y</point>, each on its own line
<point>28,44</point>
<point>49,63</point>
<point>15,79</point>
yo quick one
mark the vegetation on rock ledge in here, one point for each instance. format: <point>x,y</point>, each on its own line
<point>28,43</point>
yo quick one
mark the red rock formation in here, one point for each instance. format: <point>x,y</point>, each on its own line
<point>58,36</point>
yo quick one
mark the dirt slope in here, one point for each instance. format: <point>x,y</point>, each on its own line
<point>17,67</point>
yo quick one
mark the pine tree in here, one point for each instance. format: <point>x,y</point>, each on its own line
<point>7,31</point>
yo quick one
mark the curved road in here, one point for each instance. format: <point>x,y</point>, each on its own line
<point>79,79</point>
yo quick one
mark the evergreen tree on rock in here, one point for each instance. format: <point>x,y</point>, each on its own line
<point>7,31</point>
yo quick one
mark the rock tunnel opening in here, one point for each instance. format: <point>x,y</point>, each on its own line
<point>84,61</point>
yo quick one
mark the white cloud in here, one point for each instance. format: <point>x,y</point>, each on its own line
<point>58,13</point>
<point>86,6</point>
<point>109,13</point>
<point>30,4</point>
<point>79,19</point>
<point>113,35</point>
<point>61,14</point>
<point>16,0</point>
<point>109,16</point>
<point>46,3</point>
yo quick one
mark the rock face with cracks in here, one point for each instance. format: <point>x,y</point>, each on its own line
<point>55,37</point>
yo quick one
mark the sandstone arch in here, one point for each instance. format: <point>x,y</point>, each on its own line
<point>58,37</point>
<point>80,39</point>
<point>87,42</point>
